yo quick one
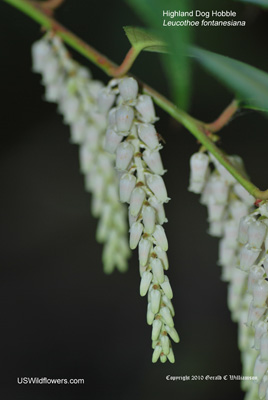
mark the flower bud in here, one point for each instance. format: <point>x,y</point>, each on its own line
<point>162,255</point>
<point>111,141</point>
<point>154,162</point>
<point>167,317</point>
<point>126,186</point>
<point>155,300</point>
<point>145,246</point>
<point>128,89</point>
<point>170,356</point>
<point>156,353</point>
<point>145,282</point>
<point>256,234</point>
<point>148,216</point>
<point>149,315</point>
<point>198,164</point>
<point>124,155</point>
<point>160,237</point>
<point>165,343</point>
<point>157,186</point>
<point>169,304</point>
<point>158,270</point>
<point>156,329</point>
<point>135,234</point>
<point>148,135</point>
<point>145,107</point>
<point>124,117</point>
<point>167,288</point>
<point>136,200</point>
<point>173,333</point>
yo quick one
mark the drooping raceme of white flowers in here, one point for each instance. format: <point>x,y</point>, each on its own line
<point>131,135</point>
<point>70,86</point>
<point>244,260</point>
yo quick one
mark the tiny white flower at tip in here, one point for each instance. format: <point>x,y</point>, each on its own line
<point>136,200</point>
<point>105,100</point>
<point>145,246</point>
<point>162,255</point>
<point>256,273</point>
<point>256,234</point>
<point>264,347</point>
<point>149,217</point>
<point>156,329</point>
<point>248,256</point>
<point>169,304</point>
<point>165,343</point>
<point>260,368</point>
<point>198,167</point>
<point>126,186</point>
<point>173,333</point>
<point>145,282</point>
<point>124,118</point>
<point>170,356</point>
<point>157,186</point>
<point>124,155</point>
<point>260,293</point>
<point>148,135</point>
<point>145,107</point>
<point>155,300</point>
<point>149,315</point>
<point>167,288</point>
<point>128,89</point>
<point>112,140</point>
<point>160,237</point>
<point>261,327</point>
<point>160,211</point>
<point>254,314</point>
<point>154,162</point>
<point>167,317</point>
<point>158,271</point>
<point>156,353</point>
<point>135,234</point>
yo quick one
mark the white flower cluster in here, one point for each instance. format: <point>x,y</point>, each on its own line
<point>131,135</point>
<point>244,260</point>
<point>70,86</point>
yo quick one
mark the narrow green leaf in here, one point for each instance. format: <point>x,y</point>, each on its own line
<point>142,39</point>
<point>261,3</point>
<point>249,83</point>
<point>176,63</point>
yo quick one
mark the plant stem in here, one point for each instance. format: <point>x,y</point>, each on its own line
<point>199,129</point>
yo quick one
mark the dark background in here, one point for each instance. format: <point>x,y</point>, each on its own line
<point>61,316</point>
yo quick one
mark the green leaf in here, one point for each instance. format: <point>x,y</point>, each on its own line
<point>261,3</point>
<point>142,39</point>
<point>249,83</point>
<point>176,63</point>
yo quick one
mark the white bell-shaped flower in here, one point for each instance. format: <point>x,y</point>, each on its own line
<point>256,234</point>
<point>51,71</point>
<point>198,167</point>
<point>260,293</point>
<point>230,233</point>
<point>128,89</point>
<point>145,246</point>
<point>78,129</point>
<point>124,155</point>
<point>145,282</point>
<point>136,200</point>
<point>261,327</point>
<point>256,273</point>
<point>248,256</point>
<point>149,217</point>
<point>154,162</point>
<point>105,100</point>
<point>158,271</point>
<point>160,237</point>
<point>160,211</point>
<point>145,108</point>
<point>196,186</point>
<point>219,189</point>
<point>41,50</point>
<point>254,314</point>
<point>243,229</point>
<point>148,135</point>
<point>126,186</point>
<point>215,210</point>
<point>124,118</point>
<point>157,186</point>
<point>226,253</point>
<point>238,209</point>
<point>135,234</point>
